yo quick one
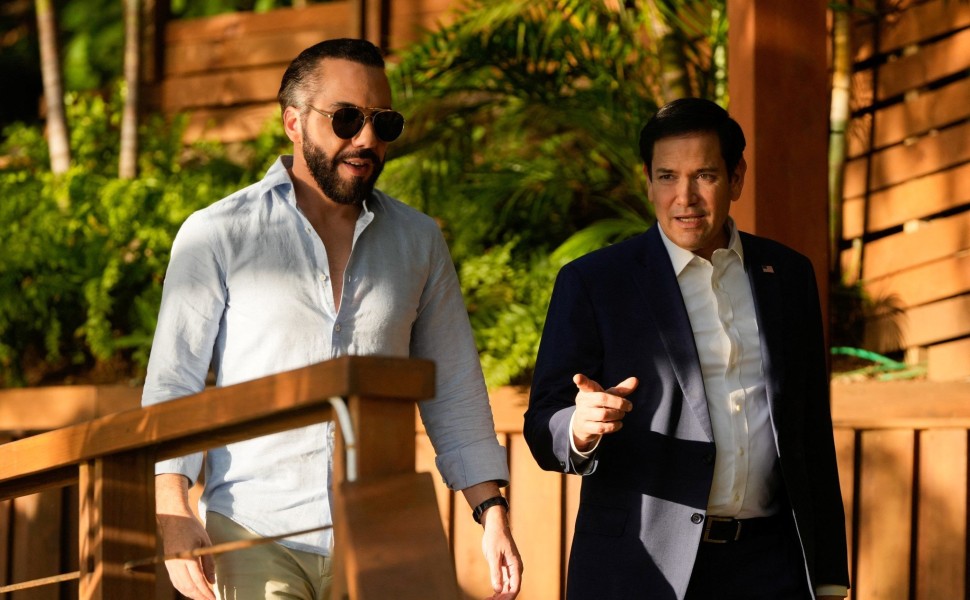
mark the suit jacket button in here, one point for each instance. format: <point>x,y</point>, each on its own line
<point>708,459</point>
<point>696,518</point>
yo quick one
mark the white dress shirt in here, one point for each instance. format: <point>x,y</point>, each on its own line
<point>720,305</point>
<point>249,291</point>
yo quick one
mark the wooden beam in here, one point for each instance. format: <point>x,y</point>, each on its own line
<point>117,522</point>
<point>901,405</point>
<point>778,86</point>
<point>221,415</point>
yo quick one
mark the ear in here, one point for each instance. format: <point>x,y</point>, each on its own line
<point>737,179</point>
<point>292,124</point>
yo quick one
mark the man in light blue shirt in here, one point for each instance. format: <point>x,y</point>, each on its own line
<point>306,265</point>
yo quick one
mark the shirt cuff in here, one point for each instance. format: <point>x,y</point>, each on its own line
<point>190,466</point>
<point>482,461</point>
<point>832,590</point>
<point>577,455</point>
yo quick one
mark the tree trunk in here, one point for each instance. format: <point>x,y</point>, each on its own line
<point>128,156</point>
<point>50,65</point>
<point>838,124</point>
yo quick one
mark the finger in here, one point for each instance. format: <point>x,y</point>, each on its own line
<point>209,568</point>
<point>180,574</point>
<point>203,587</point>
<point>585,384</point>
<point>625,387</point>
<point>515,577</point>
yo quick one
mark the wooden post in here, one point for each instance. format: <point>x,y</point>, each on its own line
<point>387,501</point>
<point>117,522</point>
<point>778,86</point>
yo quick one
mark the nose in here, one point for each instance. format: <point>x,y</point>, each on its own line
<point>367,136</point>
<point>687,190</point>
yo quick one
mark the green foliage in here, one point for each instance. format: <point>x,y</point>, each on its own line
<point>521,140</point>
<point>85,254</point>
<point>523,123</point>
<point>506,305</point>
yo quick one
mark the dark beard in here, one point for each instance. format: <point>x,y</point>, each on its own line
<point>324,171</point>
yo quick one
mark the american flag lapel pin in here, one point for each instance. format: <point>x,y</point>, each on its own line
<point>767,269</point>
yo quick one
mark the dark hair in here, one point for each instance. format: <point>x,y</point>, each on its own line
<point>693,115</point>
<point>301,74</point>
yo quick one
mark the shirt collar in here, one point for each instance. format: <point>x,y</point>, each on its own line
<point>278,181</point>
<point>680,257</point>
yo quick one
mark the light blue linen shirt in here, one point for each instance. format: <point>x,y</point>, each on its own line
<point>248,290</point>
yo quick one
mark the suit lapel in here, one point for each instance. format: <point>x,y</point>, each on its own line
<point>662,297</point>
<point>769,299</point>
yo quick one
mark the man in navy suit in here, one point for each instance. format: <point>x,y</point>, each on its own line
<point>709,466</point>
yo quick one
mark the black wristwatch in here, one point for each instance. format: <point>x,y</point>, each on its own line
<point>487,504</point>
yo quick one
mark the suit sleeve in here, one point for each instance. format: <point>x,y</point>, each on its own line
<point>571,343</point>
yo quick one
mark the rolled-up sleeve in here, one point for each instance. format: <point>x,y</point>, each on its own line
<point>459,419</point>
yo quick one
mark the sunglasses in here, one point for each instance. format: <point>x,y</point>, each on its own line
<point>349,120</point>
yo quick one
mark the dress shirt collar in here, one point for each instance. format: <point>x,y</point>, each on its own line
<point>279,183</point>
<point>680,257</point>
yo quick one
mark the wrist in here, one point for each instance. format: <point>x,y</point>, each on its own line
<point>487,506</point>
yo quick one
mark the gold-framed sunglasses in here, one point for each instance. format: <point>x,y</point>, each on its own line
<point>347,121</point>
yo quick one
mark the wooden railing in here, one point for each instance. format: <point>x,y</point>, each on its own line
<point>902,449</point>
<point>112,458</point>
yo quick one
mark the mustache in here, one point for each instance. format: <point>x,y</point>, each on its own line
<point>365,153</point>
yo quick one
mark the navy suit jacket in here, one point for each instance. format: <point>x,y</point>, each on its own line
<point>618,312</point>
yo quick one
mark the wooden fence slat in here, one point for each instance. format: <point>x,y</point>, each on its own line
<point>573,485</point>
<point>918,21</point>
<point>941,549</point>
<point>36,533</point>
<point>884,521</point>
<point>424,461</point>
<point>943,58</point>
<point>277,48</point>
<point>117,516</point>
<point>409,18</point>
<point>949,362</point>
<point>900,163</point>
<point>536,514</point>
<point>845,451</point>
<point>244,24</point>
<point>913,199</point>
<point>231,124</point>
<point>930,241</point>
<point>950,277</point>
<point>221,89</point>
<point>914,116</point>
<point>470,566</point>
<point>936,322</point>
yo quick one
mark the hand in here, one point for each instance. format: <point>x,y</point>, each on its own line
<point>599,411</point>
<point>504,562</point>
<point>192,577</point>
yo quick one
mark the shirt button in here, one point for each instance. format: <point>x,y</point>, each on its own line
<point>696,518</point>
<point>323,277</point>
<point>336,327</point>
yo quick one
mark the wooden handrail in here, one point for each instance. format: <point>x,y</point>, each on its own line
<point>112,459</point>
<point>213,417</point>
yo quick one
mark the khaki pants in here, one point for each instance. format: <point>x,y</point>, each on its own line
<point>268,571</point>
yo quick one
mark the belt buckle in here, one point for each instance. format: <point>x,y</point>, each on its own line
<point>710,523</point>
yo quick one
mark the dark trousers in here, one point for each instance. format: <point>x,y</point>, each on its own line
<point>765,565</point>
